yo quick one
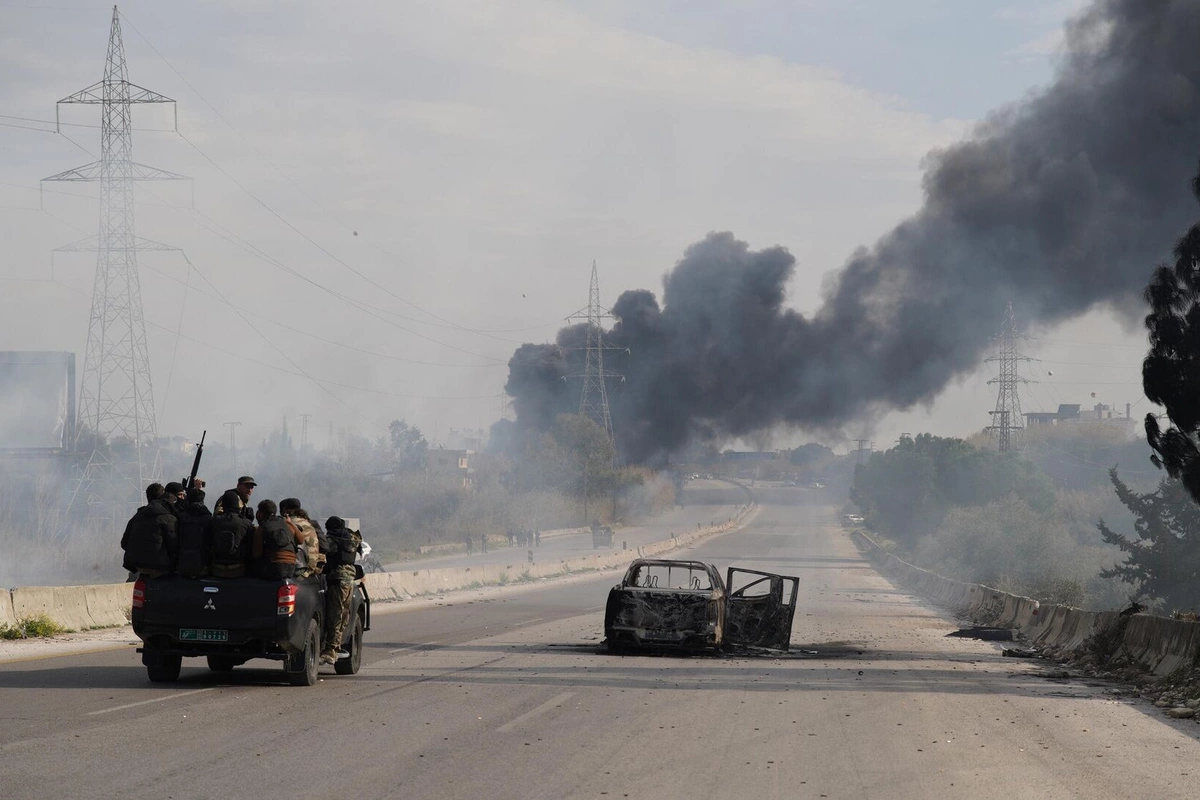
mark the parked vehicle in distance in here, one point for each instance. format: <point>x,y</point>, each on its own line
<point>685,605</point>
<point>602,536</point>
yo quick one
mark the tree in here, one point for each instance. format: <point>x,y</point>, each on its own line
<point>408,446</point>
<point>808,454</point>
<point>1162,559</point>
<point>907,490</point>
<point>1171,370</point>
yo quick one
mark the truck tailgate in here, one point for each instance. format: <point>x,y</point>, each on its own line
<point>185,608</point>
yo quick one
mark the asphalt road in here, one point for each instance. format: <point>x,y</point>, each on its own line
<point>507,695</point>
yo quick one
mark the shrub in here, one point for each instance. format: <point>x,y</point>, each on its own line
<point>39,626</point>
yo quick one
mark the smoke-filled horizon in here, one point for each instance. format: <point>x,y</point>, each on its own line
<point>1059,203</point>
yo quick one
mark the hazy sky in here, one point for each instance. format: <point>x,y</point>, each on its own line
<point>485,153</point>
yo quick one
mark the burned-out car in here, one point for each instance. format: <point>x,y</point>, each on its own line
<point>685,605</point>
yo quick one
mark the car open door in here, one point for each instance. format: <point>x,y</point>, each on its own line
<point>760,607</point>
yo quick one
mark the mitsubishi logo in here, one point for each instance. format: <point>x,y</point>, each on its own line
<point>209,605</point>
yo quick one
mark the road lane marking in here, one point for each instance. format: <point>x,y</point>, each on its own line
<point>175,696</point>
<point>544,707</point>
<point>412,646</point>
<point>528,622</point>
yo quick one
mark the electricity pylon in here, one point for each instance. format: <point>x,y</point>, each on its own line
<point>593,400</point>
<point>116,395</point>
<point>1007,418</point>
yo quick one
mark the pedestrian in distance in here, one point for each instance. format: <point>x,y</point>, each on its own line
<point>483,543</point>
<point>470,548</point>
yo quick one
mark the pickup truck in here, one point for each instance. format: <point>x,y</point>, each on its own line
<point>232,620</point>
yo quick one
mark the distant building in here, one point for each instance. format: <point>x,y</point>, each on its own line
<point>466,439</point>
<point>1073,414</point>
<point>458,463</point>
<point>754,455</point>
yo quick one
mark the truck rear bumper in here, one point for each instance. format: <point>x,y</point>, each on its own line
<point>163,643</point>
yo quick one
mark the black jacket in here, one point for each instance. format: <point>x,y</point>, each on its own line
<point>195,539</point>
<point>151,539</point>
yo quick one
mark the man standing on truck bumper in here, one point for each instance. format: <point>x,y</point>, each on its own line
<point>339,575</point>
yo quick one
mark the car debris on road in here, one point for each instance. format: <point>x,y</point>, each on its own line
<point>685,605</point>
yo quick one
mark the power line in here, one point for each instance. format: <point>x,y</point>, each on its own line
<point>307,195</point>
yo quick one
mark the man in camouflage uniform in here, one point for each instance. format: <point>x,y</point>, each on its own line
<point>306,536</point>
<point>345,544</point>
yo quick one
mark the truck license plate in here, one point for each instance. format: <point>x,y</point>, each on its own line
<point>202,635</point>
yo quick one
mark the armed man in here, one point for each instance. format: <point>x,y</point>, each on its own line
<point>151,541</point>
<point>306,533</point>
<point>345,545</point>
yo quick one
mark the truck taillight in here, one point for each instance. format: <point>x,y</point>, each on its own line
<point>287,600</point>
<point>139,593</point>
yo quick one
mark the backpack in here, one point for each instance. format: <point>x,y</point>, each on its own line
<point>276,549</point>
<point>150,538</point>
<point>194,541</point>
<point>230,536</point>
<point>346,544</point>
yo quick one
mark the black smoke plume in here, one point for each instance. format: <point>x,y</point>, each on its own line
<point>1060,203</point>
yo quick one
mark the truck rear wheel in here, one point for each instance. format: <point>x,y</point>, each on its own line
<point>351,665</point>
<point>302,667</point>
<point>166,670</point>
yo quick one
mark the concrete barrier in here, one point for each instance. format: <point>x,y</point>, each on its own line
<point>66,605</point>
<point>108,604</point>
<point>7,617</point>
<point>1160,644</point>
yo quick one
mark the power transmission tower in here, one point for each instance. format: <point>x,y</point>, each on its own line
<point>1007,418</point>
<point>593,400</point>
<point>233,444</point>
<point>116,403</point>
<point>304,418</point>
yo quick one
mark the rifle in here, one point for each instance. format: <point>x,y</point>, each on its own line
<point>190,483</point>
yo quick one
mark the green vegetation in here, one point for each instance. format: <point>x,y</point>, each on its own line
<point>991,518</point>
<point>36,627</point>
<point>1162,559</point>
<point>907,491</point>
